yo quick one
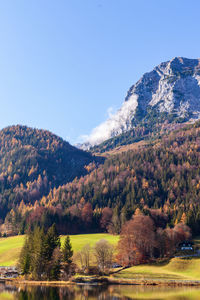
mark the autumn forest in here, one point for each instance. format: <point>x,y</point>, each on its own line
<point>44,180</point>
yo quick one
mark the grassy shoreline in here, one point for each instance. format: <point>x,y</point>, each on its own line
<point>103,281</point>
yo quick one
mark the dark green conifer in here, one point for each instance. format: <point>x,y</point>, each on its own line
<point>37,254</point>
<point>25,257</point>
<point>52,241</point>
<point>67,250</point>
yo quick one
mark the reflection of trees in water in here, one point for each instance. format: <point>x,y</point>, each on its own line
<point>42,293</point>
<point>84,292</point>
<point>7,288</point>
<point>89,292</point>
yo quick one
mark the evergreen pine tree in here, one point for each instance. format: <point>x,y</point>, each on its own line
<point>52,241</point>
<point>67,250</point>
<point>116,224</point>
<point>25,256</point>
<point>40,256</point>
<point>37,254</point>
<point>55,265</point>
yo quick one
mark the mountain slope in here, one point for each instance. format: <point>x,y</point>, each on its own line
<point>170,92</point>
<point>164,175</point>
<point>161,177</point>
<point>32,161</point>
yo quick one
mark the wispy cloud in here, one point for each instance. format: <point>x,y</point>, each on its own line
<point>111,111</point>
<point>117,122</point>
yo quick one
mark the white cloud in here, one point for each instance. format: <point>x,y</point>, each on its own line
<point>111,111</point>
<point>82,138</point>
<point>117,123</point>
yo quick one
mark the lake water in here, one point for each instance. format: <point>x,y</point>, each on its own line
<point>88,292</point>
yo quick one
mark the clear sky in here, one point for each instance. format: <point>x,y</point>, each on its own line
<point>66,64</point>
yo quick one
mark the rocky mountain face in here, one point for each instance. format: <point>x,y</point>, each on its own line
<point>171,90</point>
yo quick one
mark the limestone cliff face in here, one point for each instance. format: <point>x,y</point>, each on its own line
<point>173,87</point>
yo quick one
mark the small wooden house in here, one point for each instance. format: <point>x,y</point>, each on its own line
<point>186,245</point>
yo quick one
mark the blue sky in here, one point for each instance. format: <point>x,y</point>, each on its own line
<point>65,64</point>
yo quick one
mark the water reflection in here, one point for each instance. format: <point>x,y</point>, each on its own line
<point>55,293</point>
<point>86,292</point>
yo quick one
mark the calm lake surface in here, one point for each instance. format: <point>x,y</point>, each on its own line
<point>88,292</point>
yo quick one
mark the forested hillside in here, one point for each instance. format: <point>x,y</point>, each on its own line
<point>163,175</point>
<point>162,178</point>
<point>32,162</point>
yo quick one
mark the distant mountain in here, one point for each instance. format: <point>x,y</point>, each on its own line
<point>32,161</point>
<point>170,93</point>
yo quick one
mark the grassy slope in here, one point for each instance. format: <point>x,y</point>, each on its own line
<point>177,268</point>
<point>135,146</point>
<point>10,247</point>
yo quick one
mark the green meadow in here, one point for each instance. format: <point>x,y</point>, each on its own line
<point>175,269</point>
<point>10,247</point>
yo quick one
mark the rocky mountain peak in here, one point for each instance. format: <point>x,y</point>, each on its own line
<point>173,88</point>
